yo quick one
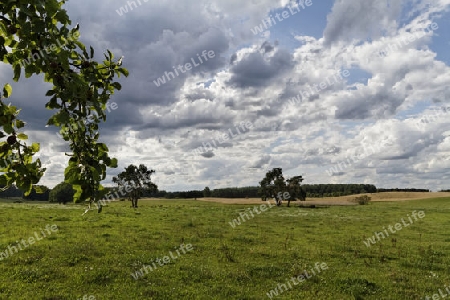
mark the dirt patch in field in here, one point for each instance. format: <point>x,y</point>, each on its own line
<point>344,200</point>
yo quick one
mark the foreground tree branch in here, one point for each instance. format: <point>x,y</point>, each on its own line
<point>35,38</point>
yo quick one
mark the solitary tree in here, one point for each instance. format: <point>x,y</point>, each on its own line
<point>62,193</point>
<point>274,185</point>
<point>36,37</point>
<point>134,181</point>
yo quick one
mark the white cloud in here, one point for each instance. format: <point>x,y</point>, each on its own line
<point>160,126</point>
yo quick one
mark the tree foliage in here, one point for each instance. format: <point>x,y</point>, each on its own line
<point>35,38</point>
<point>236,192</point>
<point>134,181</point>
<point>295,189</point>
<point>206,192</point>
<point>62,193</point>
<point>337,190</point>
<point>274,185</point>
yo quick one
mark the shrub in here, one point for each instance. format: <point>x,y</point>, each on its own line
<point>62,193</point>
<point>362,200</point>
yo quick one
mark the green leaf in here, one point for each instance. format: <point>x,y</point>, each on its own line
<point>3,179</point>
<point>51,121</point>
<point>53,103</point>
<point>71,174</point>
<point>117,86</point>
<point>124,71</point>
<point>27,187</point>
<point>50,93</point>
<point>8,128</point>
<point>102,147</point>
<point>22,136</point>
<point>40,189</point>
<point>78,192</point>
<point>111,56</point>
<point>113,163</point>
<point>51,7</point>
<point>62,117</point>
<point>7,90</point>
<point>20,123</point>
<point>35,147</point>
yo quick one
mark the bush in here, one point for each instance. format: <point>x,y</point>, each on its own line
<point>62,193</point>
<point>362,200</point>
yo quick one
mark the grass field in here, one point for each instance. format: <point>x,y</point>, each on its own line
<point>96,254</point>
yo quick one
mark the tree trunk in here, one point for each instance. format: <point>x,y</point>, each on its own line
<point>134,202</point>
<point>289,202</point>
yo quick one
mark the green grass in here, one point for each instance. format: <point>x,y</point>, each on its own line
<point>95,254</point>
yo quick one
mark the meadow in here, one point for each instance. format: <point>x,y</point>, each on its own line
<point>95,255</point>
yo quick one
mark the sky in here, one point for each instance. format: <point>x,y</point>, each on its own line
<point>221,91</point>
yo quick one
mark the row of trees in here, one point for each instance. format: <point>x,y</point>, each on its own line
<point>312,191</point>
<point>174,195</point>
<point>38,193</point>
<point>10,192</point>
<point>404,190</point>
<point>336,190</point>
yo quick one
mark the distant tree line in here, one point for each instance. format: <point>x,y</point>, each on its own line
<point>174,195</point>
<point>404,190</point>
<point>14,192</point>
<point>11,192</point>
<point>337,190</point>
<point>236,192</point>
<point>312,191</point>
<point>39,193</point>
<point>446,191</point>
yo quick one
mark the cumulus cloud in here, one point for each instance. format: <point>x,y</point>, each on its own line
<point>306,116</point>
